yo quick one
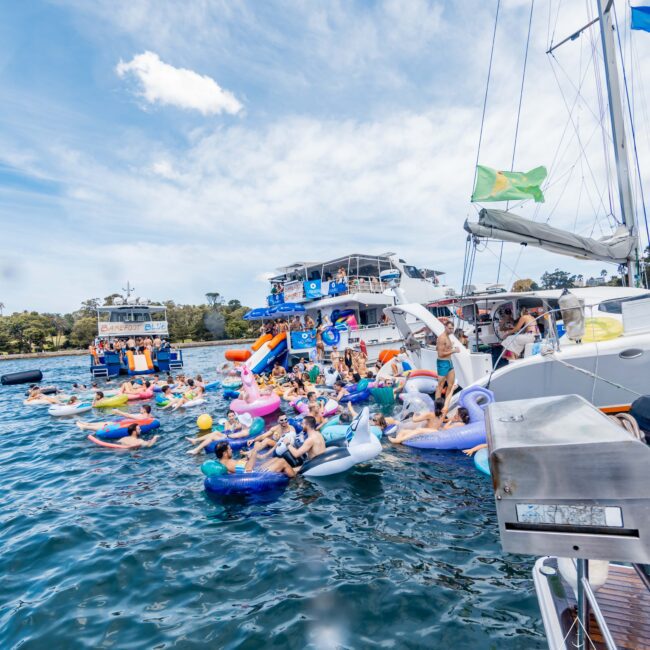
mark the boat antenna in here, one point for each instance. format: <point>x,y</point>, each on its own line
<point>128,290</point>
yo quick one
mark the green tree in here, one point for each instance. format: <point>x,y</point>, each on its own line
<point>110,300</point>
<point>558,280</point>
<point>83,331</point>
<point>88,308</point>
<point>525,284</point>
<point>214,299</point>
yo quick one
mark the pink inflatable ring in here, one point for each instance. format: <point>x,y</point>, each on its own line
<point>255,403</point>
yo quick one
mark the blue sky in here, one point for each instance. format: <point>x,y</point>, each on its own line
<point>193,147</point>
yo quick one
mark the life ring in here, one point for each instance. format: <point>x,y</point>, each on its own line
<point>246,483</point>
<point>331,336</point>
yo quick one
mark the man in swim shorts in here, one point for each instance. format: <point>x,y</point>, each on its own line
<point>444,365</point>
<point>313,445</point>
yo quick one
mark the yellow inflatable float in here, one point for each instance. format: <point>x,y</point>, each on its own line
<point>603,328</point>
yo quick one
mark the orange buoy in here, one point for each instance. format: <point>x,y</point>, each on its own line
<point>238,355</point>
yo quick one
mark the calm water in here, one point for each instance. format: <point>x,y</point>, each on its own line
<point>125,550</point>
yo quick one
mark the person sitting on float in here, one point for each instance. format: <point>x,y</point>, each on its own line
<point>233,426</point>
<point>194,392</point>
<point>460,418</point>
<point>269,439</point>
<point>143,414</point>
<point>133,440</point>
<point>129,388</point>
<point>314,444</point>
<point>203,441</point>
<point>35,394</point>
<point>378,419</point>
<point>295,390</point>
<point>278,370</point>
<point>341,391</point>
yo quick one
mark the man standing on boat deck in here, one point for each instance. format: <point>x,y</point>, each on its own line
<point>444,364</point>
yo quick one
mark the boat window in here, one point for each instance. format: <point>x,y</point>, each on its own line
<point>368,317</point>
<point>616,306</point>
<point>468,313</point>
<point>412,272</point>
<point>442,311</point>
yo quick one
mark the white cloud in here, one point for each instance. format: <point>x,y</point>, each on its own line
<point>163,83</point>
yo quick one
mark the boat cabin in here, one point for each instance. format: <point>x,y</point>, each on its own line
<point>132,339</point>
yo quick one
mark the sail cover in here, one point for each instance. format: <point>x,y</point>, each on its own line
<point>505,226</point>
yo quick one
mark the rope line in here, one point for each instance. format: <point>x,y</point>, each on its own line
<point>485,98</point>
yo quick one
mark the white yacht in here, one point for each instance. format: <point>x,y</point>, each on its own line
<point>609,365</point>
<point>349,294</point>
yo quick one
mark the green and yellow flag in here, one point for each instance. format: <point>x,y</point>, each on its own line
<point>493,185</point>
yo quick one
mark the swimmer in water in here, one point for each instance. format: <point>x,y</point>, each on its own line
<point>133,440</point>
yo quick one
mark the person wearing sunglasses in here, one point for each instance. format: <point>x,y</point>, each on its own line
<point>281,431</point>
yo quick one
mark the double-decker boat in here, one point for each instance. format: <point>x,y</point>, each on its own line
<point>344,298</point>
<point>137,321</point>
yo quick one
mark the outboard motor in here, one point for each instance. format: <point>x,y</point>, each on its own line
<point>573,315</point>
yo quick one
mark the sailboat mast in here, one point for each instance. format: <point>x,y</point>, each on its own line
<point>625,195</point>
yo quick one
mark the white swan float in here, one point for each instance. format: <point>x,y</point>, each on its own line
<point>362,447</point>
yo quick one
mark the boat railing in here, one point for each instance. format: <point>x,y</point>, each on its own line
<point>338,287</point>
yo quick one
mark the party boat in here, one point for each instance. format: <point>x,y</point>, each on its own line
<point>129,317</point>
<point>345,298</point>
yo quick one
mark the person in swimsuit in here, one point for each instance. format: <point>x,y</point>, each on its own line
<point>269,440</point>
<point>313,446</point>
<point>143,414</point>
<point>460,418</point>
<point>444,365</point>
<point>525,331</point>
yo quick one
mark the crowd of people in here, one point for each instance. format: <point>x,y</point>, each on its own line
<point>123,344</point>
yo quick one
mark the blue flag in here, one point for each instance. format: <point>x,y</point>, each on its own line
<point>641,18</point>
<point>312,289</point>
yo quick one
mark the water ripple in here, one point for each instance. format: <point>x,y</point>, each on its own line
<point>126,550</point>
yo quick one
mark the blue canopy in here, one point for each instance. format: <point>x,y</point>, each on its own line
<point>287,309</point>
<point>261,313</point>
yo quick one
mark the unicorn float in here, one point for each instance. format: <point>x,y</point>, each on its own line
<point>255,403</point>
<point>362,447</point>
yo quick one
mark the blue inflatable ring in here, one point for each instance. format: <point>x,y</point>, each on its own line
<point>331,336</point>
<point>353,398</point>
<point>246,483</point>
<point>115,430</point>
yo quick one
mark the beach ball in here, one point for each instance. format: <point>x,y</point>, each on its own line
<point>204,421</point>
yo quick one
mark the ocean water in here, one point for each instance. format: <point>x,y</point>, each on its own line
<point>106,549</point>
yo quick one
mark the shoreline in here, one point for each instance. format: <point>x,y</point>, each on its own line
<point>77,353</point>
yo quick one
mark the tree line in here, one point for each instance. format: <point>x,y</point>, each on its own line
<point>31,331</point>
